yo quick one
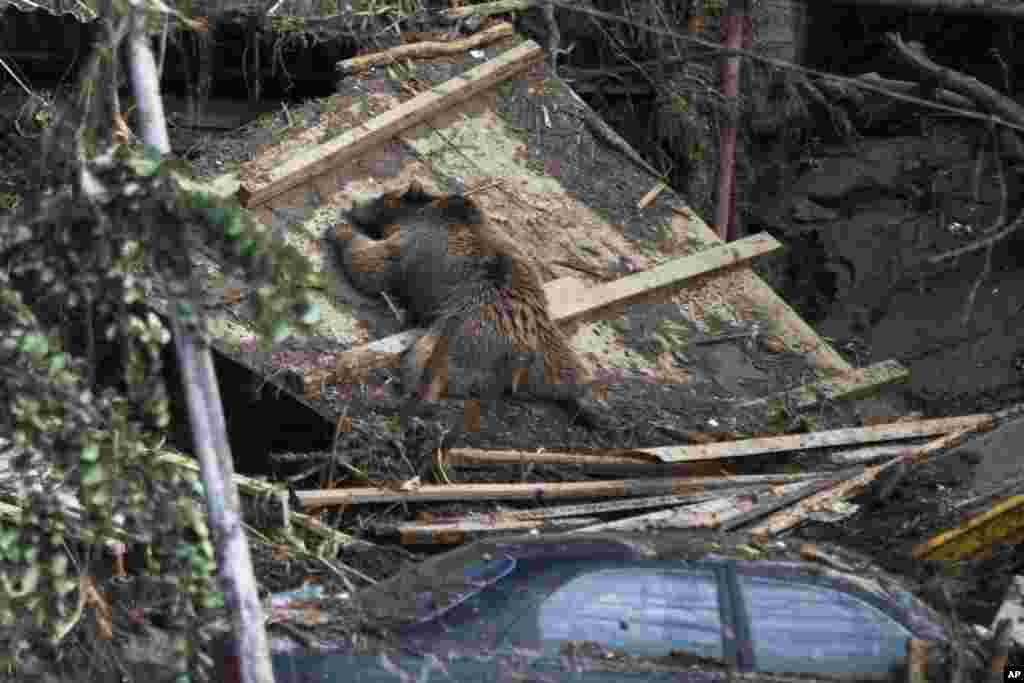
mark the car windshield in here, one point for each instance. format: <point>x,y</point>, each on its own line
<point>806,628</point>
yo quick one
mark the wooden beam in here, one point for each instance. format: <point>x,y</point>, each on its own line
<point>620,292</point>
<point>468,529</point>
<point>568,305</point>
<point>619,488</point>
<point>796,442</point>
<point>701,515</point>
<point>711,514</point>
<point>478,456</point>
<point>618,505</point>
<point>298,170</point>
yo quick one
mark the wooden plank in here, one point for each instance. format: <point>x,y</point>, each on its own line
<point>300,169</point>
<point>795,442</point>
<point>862,456</point>
<point>975,538</point>
<point>853,384</point>
<point>477,456</point>
<point>615,505</point>
<point>768,505</point>
<point>469,529</point>
<point>701,515</point>
<point>620,292</point>
<point>710,514</point>
<point>567,303</point>
<point>619,488</point>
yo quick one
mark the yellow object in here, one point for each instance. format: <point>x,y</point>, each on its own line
<point>975,538</point>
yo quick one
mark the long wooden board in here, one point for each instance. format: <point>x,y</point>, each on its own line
<point>583,304</point>
<point>834,437</point>
<point>568,304</point>
<point>540,491</point>
<point>300,169</point>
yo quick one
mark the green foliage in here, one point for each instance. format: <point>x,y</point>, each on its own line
<point>76,271</point>
<point>378,7</point>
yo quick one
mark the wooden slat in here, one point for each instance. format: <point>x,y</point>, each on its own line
<point>710,514</point>
<point>617,505</point>
<point>464,530</point>
<point>619,488</point>
<point>568,303</point>
<point>795,442</point>
<point>583,304</point>
<point>302,168</point>
<point>705,515</point>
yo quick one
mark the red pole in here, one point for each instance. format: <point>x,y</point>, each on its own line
<point>737,32</point>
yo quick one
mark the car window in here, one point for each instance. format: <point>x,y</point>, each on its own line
<point>640,611</point>
<point>805,628</point>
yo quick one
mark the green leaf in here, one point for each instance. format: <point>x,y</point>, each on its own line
<point>58,362</point>
<point>90,453</point>
<point>233,223</point>
<point>147,168</point>
<point>33,344</point>
<point>280,331</point>
<point>8,537</point>
<point>247,246</point>
<point>92,475</point>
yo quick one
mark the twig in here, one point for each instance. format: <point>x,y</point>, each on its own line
<point>986,270</point>
<point>17,80</point>
<point>980,244</point>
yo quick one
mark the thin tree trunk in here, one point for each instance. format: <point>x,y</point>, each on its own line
<point>207,417</point>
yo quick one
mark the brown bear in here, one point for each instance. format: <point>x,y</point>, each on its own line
<point>488,327</point>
